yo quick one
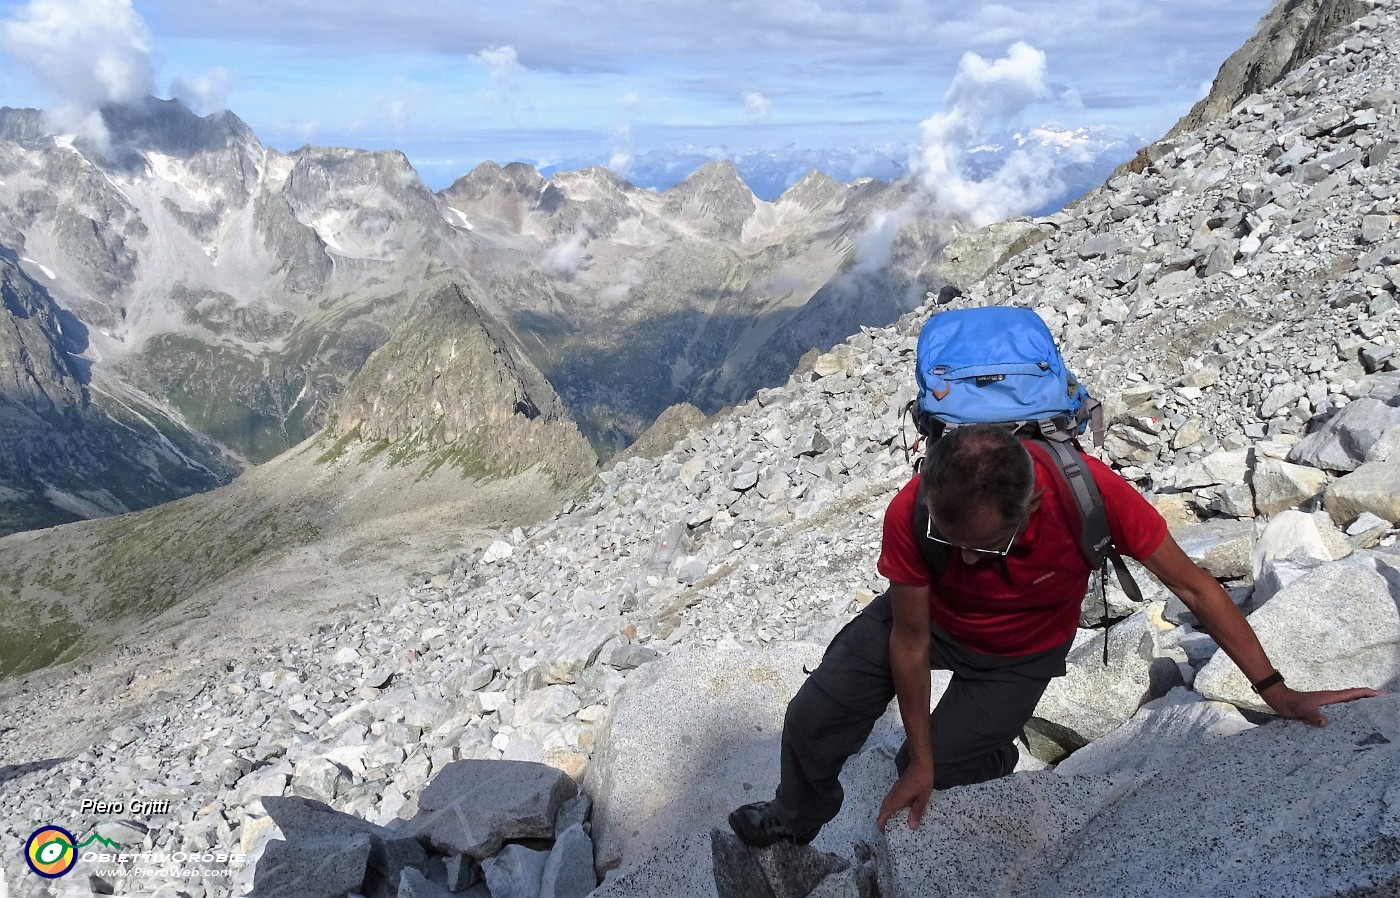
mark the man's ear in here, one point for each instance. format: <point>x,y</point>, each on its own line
<point>1034,505</point>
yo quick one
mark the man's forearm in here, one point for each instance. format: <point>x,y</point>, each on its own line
<point>1227,625</point>
<point>1208,600</point>
<point>909,665</point>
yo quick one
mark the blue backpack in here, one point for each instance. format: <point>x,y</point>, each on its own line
<point>1000,365</point>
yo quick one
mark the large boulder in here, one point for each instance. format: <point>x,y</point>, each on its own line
<point>1373,487</point>
<point>1291,544</point>
<point>473,807</point>
<point>1279,485</point>
<point>976,254</point>
<point>699,737</point>
<point>305,821</point>
<point>1334,628</point>
<point>1173,723</point>
<point>1342,443</point>
<point>1238,797</point>
<point>1221,547</point>
<point>715,864</point>
<point>1094,698</point>
<point>323,867</point>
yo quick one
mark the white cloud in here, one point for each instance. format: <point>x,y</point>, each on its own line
<point>567,257</point>
<point>756,105</point>
<point>875,244</point>
<point>620,162</point>
<point>998,90</point>
<point>398,107</point>
<point>87,54</point>
<point>203,93</point>
<point>505,69</point>
<point>986,97</point>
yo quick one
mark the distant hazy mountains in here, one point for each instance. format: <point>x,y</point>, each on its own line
<point>1083,157</point>
<point>221,294</point>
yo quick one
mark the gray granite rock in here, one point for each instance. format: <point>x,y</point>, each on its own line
<point>660,773</point>
<point>1042,834</point>
<point>414,884</point>
<point>1333,628</point>
<point>1221,547</point>
<point>324,867</point>
<point>1093,699</point>
<point>1157,734</point>
<point>1279,485</point>
<point>304,820</point>
<point>1342,444</point>
<point>1294,533</point>
<point>1373,487</point>
<point>568,871</point>
<point>711,864</point>
<point>472,807</point>
<point>515,873</point>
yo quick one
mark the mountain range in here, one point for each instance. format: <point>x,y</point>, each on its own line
<point>228,293</point>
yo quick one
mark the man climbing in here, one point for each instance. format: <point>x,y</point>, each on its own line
<point>1001,616</point>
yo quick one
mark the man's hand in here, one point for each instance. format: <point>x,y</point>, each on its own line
<point>912,791</point>
<point>1304,705</point>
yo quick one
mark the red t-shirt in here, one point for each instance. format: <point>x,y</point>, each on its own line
<point>1038,608</point>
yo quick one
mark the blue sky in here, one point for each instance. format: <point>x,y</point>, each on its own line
<point>455,82</point>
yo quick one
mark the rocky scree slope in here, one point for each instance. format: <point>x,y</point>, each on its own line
<point>1290,34</point>
<point>763,528</point>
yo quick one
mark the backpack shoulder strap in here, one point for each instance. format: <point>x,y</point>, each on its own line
<point>935,555</point>
<point>1095,538</point>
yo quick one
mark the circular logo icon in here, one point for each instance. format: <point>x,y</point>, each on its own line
<point>51,851</point>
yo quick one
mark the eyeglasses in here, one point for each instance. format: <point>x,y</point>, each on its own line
<point>999,553</point>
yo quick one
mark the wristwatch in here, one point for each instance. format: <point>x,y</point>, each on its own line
<point>1272,679</point>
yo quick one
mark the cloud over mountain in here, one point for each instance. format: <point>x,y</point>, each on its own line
<point>986,97</point>
<point>87,54</point>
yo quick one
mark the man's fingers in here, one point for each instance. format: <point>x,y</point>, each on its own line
<point>916,811</point>
<point>887,808</point>
<point>1346,695</point>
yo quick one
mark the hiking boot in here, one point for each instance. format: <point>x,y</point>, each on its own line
<point>757,826</point>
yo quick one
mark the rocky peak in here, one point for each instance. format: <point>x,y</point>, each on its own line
<point>67,452</point>
<point>35,368</point>
<point>814,190</point>
<point>491,180</point>
<point>714,194</point>
<point>452,383</point>
<point>169,127</point>
<point>1293,32</point>
<point>591,184</point>
<point>491,192</point>
<point>319,172</point>
<point>22,125</point>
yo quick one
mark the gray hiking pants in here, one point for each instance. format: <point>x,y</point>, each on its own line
<point>974,725</point>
